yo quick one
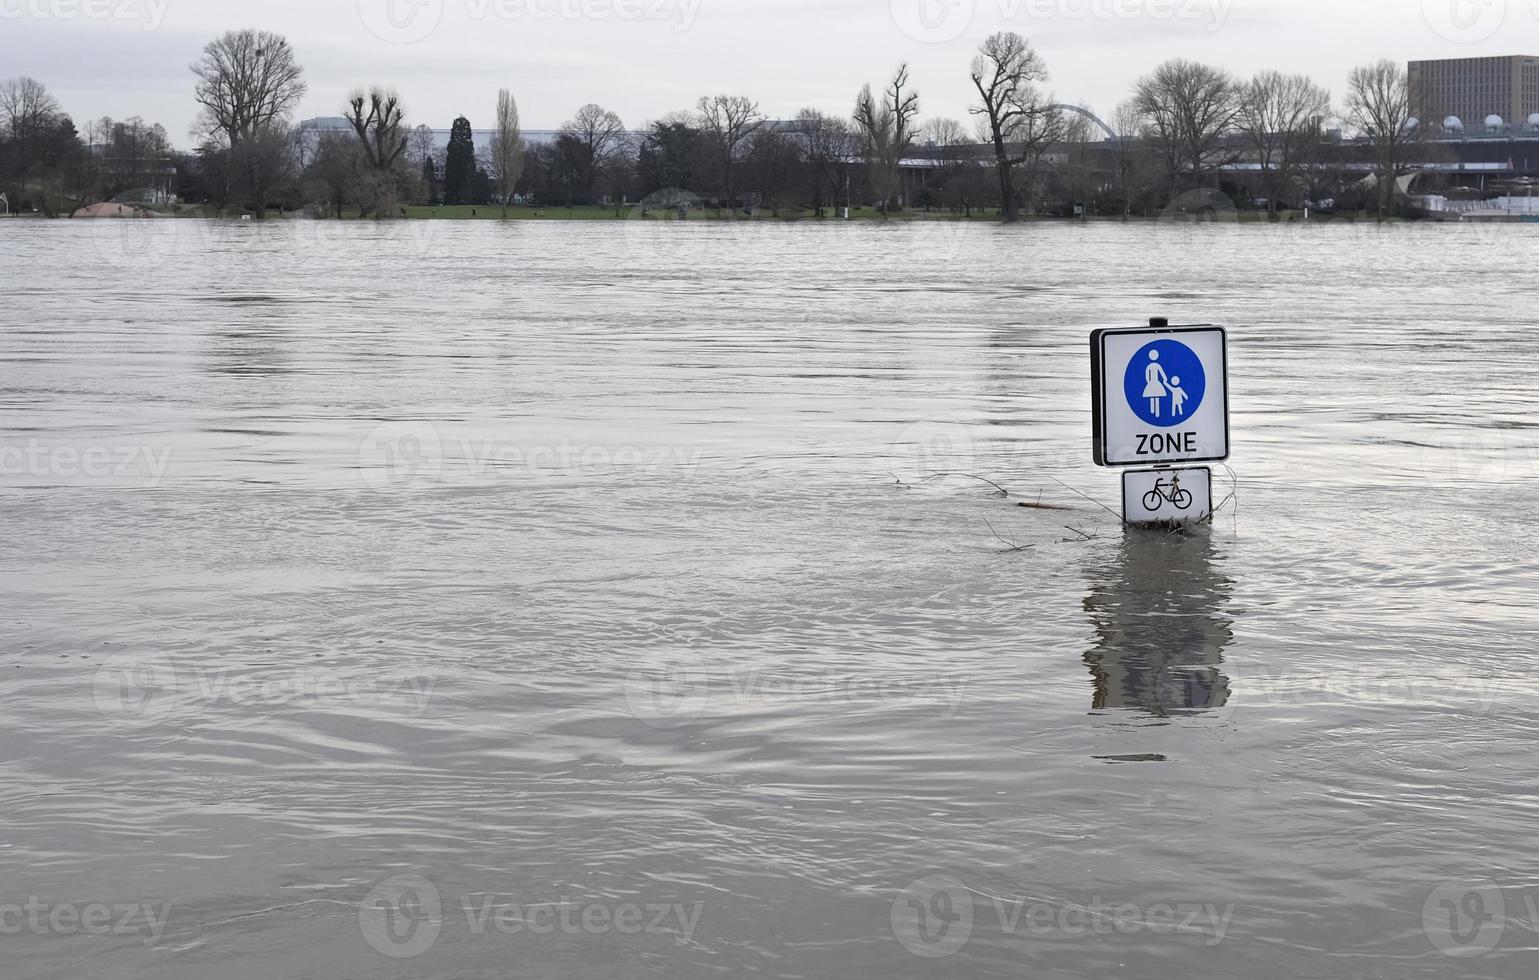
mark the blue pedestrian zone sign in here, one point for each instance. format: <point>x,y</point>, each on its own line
<point>1165,383</point>
<point>1160,395</point>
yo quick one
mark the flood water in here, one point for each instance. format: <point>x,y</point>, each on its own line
<point>559,600</point>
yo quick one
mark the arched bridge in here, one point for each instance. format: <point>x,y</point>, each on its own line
<point>1081,110</point>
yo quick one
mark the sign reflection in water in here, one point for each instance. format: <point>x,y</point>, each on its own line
<point>1158,605</point>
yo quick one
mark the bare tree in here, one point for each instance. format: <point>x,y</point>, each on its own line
<point>728,121</point>
<point>1279,115</point>
<point>1379,100</point>
<point>307,143</point>
<point>887,128</point>
<point>943,131</point>
<point>263,166</point>
<point>26,106</point>
<point>332,176</point>
<point>420,145</point>
<point>247,80</point>
<point>1133,163</point>
<point>30,114</point>
<point>591,140</point>
<point>1321,170</point>
<point>98,136</point>
<point>98,132</point>
<point>832,147</point>
<point>955,148</point>
<point>1189,110</point>
<point>1019,119</point>
<point>619,170</point>
<point>776,161</point>
<point>133,153</point>
<point>1077,167</point>
<point>216,174</point>
<point>380,122</point>
<point>506,157</point>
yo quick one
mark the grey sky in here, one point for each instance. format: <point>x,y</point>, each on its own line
<point>644,58</point>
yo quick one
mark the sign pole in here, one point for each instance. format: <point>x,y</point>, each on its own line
<point>1157,323</point>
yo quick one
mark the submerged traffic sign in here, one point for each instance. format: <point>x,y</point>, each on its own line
<point>1167,496</point>
<point>1160,395</point>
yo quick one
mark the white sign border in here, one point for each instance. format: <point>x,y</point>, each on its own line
<point>1174,470</point>
<point>1099,389</point>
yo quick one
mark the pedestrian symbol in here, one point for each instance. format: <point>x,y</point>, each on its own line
<point>1165,383</point>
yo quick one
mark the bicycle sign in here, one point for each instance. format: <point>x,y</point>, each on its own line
<point>1160,394</point>
<point>1168,493</point>
<point>1167,496</point>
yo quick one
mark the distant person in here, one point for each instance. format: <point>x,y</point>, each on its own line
<point>1155,381</point>
<point>472,212</point>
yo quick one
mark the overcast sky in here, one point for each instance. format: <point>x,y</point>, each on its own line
<point>644,58</point>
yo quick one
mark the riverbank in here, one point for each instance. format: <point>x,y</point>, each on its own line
<point>491,213</point>
<point>765,216</point>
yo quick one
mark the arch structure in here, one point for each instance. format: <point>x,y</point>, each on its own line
<point>1081,110</point>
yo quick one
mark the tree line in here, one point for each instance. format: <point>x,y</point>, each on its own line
<point>1182,128</point>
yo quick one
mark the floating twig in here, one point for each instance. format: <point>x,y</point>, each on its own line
<point>1091,499</point>
<point>1234,491</point>
<point>1083,534</point>
<point>1014,545</point>
<point>971,476</point>
<point>1039,505</point>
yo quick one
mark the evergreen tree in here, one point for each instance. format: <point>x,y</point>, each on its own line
<point>460,164</point>
<point>483,188</point>
<point>671,156</point>
<point>430,179</point>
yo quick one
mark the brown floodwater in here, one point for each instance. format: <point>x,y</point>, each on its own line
<point>446,600</point>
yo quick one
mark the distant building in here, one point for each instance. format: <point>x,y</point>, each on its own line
<point>1472,90</point>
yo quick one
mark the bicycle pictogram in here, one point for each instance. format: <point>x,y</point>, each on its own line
<point>1168,491</point>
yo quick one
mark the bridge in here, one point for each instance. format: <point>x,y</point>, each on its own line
<point>1082,111</point>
